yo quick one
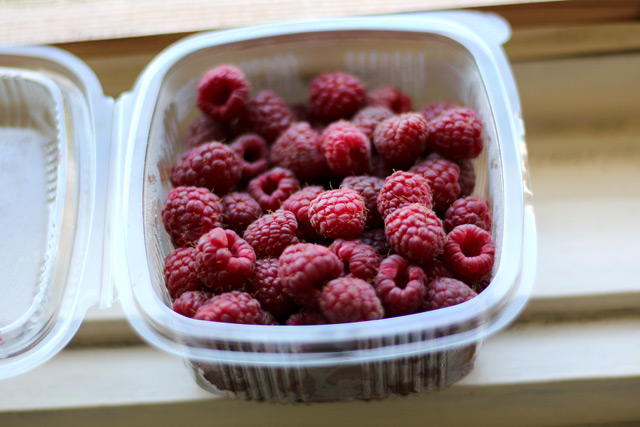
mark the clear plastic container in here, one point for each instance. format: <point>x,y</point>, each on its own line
<point>455,56</point>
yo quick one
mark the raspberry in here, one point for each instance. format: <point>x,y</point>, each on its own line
<point>467,178</point>
<point>368,118</point>
<point>468,210</point>
<point>223,93</point>
<point>268,115</point>
<point>379,169</point>
<point>401,139</point>
<point>270,234</point>
<point>213,165</point>
<point>435,109</point>
<point>224,260</point>
<point>189,212</point>
<point>273,187</point>
<point>307,317</point>
<point>456,134</point>
<point>376,238</point>
<point>350,300</point>
<point>253,153</point>
<point>415,232</point>
<point>402,189</point>
<point>232,307</point>
<point>445,292</point>
<point>265,286</point>
<point>346,149</point>
<point>301,113</point>
<point>369,188</point>
<point>469,253</point>
<point>305,268</point>
<point>390,97</point>
<point>205,129</point>
<point>435,270</point>
<point>481,285</point>
<point>334,96</point>
<point>297,149</point>
<point>298,203</point>
<point>442,176</point>
<point>338,214</point>
<point>180,272</point>
<point>361,260</point>
<point>400,285</point>
<point>240,210</point>
<point>189,302</point>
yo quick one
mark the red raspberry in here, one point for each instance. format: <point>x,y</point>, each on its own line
<point>369,188</point>
<point>361,260</point>
<point>469,253</point>
<point>189,212</point>
<point>338,214</point>
<point>468,210</point>
<point>223,93</point>
<point>401,139</point>
<point>253,152</point>
<point>402,189</point>
<point>232,307</point>
<point>435,270</point>
<point>400,285</point>
<point>442,176</point>
<point>307,317</point>
<point>346,148</point>
<point>379,169</point>
<point>180,272</point>
<point>213,165</point>
<point>268,115</point>
<point>265,286</point>
<point>376,238</point>
<point>334,96</point>
<point>481,285</point>
<point>445,292</point>
<point>298,203</point>
<point>205,129</point>
<point>415,232</point>
<point>349,299</point>
<point>240,210</point>
<point>456,134</point>
<point>189,302</point>
<point>390,97</point>
<point>467,178</point>
<point>270,234</point>
<point>224,260</point>
<point>305,268</point>
<point>435,109</point>
<point>368,118</point>
<point>273,187</point>
<point>297,149</point>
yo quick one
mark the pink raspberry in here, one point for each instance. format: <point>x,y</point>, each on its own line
<point>456,134</point>
<point>468,210</point>
<point>189,302</point>
<point>400,285</point>
<point>401,139</point>
<point>445,292</point>
<point>253,152</point>
<point>189,212</point>
<point>349,299</point>
<point>368,118</point>
<point>307,317</point>
<point>369,188</point>
<point>240,210</point>
<point>442,176</point>
<point>270,234</point>
<point>469,253</point>
<point>205,129</point>
<point>415,232</point>
<point>298,150</point>
<point>376,238</point>
<point>233,307</point>
<point>390,97</point>
<point>273,187</point>
<point>338,214</point>
<point>298,203</point>
<point>305,268</point>
<point>223,93</point>
<point>265,286</point>
<point>402,189</point>
<point>268,115</point>
<point>361,260</point>
<point>213,165</point>
<point>334,96</point>
<point>180,272</point>
<point>435,109</point>
<point>346,149</point>
<point>224,260</point>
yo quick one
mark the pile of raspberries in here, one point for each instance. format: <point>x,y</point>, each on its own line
<point>353,207</point>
